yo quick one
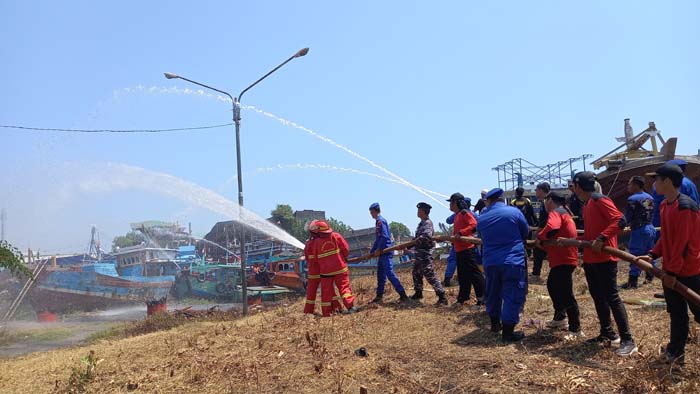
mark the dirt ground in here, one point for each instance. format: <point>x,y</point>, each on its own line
<point>411,348</point>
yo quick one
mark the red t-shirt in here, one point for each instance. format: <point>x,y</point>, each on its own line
<point>559,224</point>
<point>464,225</point>
<point>679,244</point>
<point>600,217</point>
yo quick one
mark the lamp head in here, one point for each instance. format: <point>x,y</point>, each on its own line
<point>171,75</point>
<point>302,52</point>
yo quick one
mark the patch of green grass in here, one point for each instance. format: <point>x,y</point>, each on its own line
<point>37,335</point>
<point>110,333</point>
<point>47,334</point>
<point>197,301</point>
<point>7,337</point>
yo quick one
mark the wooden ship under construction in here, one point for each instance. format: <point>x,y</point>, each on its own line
<point>638,155</point>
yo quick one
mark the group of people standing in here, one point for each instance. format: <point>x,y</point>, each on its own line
<point>497,270</point>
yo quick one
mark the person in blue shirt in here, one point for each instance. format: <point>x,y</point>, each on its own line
<point>503,230</point>
<point>640,207</point>
<point>385,265</point>
<point>451,267</point>
<point>687,187</point>
<point>451,258</point>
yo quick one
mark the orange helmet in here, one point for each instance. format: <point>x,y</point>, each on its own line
<point>320,226</point>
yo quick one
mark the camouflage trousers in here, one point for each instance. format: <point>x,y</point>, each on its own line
<point>423,267</point>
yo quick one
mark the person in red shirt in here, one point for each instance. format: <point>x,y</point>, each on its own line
<point>602,222</point>
<point>562,263</point>
<point>468,272</point>
<point>679,245</point>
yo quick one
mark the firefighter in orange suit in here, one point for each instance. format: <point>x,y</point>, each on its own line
<point>313,278</point>
<point>331,250</point>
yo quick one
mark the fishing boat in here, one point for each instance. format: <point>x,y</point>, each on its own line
<point>201,279</point>
<point>290,273</point>
<point>66,285</point>
<point>638,155</point>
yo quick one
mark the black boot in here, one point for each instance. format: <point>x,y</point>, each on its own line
<point>442,300</point>
<point>648,278</point>
<point>378,299</point>
<point>632,283</point>
<point>403,297</point>
<point>496,324</point>
<point>446,282</point>
<point>418,295</point>
<point>509,335</point>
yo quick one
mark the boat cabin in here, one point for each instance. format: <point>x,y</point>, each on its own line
<point>146,261</point>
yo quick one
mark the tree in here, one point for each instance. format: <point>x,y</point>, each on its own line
<point>11,259</point>
<point>399,230</point>
<point>132,238</point>
<point>283,216</point>
<point>338,226</point>
<point>298,231</point>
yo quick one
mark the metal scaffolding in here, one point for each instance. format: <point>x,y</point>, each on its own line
<point>521,172</point>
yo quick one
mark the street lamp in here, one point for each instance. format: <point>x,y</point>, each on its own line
<point>236,102</point>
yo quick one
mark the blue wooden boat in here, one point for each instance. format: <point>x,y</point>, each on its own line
<point>90,285</point>
<point>220,282</point>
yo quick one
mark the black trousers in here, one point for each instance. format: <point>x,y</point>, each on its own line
<point>468,275</point>
<point>602,284</point>
<point>677,307</point>
<point>561,290</point>
<point>538,256</point>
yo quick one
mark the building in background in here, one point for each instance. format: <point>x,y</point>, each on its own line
<point>308,215</point>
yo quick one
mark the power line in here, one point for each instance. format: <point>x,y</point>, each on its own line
<point>114,131</point>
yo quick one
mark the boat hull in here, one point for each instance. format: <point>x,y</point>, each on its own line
<point>614,180</point>
<point>94,286</point>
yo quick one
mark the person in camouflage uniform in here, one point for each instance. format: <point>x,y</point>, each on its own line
<point>423,264</point>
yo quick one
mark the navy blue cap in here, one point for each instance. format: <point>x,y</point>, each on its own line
<point>424,205</point>
<point>677,162</point>
<point>557,196</point>
<point>586,180</point>
<point>456,197</point>
<point>374,206</point>
<point>671,171</point>
<point>494,193</point>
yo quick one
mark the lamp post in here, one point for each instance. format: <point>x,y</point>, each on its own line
<point>236,102</point>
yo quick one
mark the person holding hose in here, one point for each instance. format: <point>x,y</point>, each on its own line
<point>679,245</point>
<point>385,267</point>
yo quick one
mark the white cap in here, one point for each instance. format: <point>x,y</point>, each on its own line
<point>484,191</point>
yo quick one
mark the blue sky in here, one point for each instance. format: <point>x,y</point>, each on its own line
<point>438,93</point>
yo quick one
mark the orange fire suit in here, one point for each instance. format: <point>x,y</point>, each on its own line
<point>313,278</point>
<point>331,251</point>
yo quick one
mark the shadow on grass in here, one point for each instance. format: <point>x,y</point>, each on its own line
<point>577,353</point>
<point>479,337</point>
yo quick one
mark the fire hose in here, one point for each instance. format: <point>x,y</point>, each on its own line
<point>368,256</point>
<point>668,280</point>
